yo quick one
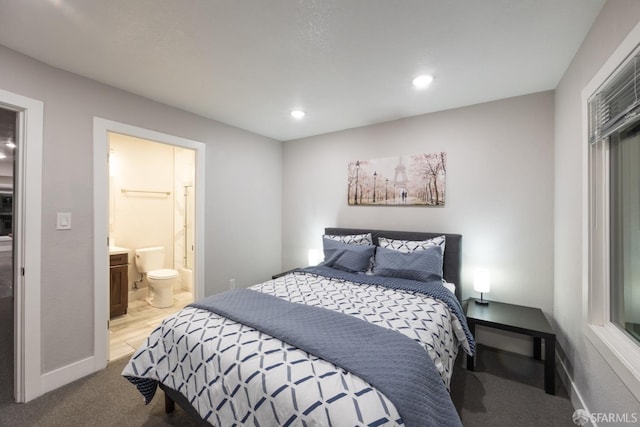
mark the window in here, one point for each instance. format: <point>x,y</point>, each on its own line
<point>624,231</point>
<point>614,124</point>
<point>611,111</point>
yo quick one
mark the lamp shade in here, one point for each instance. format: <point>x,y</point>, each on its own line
<point>482,280</point>
<point>313,257</point>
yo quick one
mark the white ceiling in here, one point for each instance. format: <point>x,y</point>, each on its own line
<point>347,63</point>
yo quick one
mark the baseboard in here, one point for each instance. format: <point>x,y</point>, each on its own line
<point>572,389</point>
<point>67,374</point>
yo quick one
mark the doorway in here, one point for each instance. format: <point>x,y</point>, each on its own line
<point>26,239</point>
<point>151,205</point>
<point>102,131</point>
<point>8,131</point>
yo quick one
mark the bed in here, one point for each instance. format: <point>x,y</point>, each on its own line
<point>368,338</point>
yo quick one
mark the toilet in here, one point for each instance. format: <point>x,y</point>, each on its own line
<point>150,261</point>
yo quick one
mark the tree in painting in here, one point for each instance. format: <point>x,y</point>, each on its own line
<point>429,171</point>
<point>357,181</point>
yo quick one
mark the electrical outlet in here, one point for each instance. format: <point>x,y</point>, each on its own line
<point>232,283</point>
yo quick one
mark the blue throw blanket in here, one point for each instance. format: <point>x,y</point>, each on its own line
<point>393,363</point>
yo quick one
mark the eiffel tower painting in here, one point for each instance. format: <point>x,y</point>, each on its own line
<point>412,180</point>
<point>400,181</point>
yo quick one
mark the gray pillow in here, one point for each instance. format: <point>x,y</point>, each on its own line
<point>342,256</point>
<point>423,265</point>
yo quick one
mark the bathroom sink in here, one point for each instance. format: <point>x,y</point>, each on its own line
<point>113,250</point>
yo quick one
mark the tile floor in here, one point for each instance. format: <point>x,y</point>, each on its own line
<point>128,332</point>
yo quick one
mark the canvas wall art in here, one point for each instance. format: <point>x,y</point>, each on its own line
<point>413,180</point>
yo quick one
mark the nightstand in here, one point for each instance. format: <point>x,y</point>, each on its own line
<point>522,320</point>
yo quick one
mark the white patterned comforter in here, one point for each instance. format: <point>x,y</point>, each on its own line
<point>235,375</point>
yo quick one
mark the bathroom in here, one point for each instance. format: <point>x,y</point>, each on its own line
<point>151,204</point>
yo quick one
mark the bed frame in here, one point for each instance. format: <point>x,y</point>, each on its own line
<point>451,272</point>
<point>171,397</point>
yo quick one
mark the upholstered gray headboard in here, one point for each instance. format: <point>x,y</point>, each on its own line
<point>452,254</point>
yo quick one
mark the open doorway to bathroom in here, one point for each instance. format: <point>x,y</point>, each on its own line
<point>8,126</point>
<point>151,205</point>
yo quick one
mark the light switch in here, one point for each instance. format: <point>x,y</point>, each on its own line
<point>63,221</point>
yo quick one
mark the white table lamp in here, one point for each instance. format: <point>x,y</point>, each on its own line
<point>482,284</point>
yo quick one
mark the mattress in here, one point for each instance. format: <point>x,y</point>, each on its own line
<point>233,374</point>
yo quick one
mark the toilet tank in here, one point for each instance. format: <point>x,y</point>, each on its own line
<point>149,259</point>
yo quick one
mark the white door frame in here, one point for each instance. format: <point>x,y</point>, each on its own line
<point>101,128</point>
<point>27,244</point>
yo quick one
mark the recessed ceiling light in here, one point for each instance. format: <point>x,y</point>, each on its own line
<point>10,144</point>
<point>3,156</point>
<point>297,114</point>
<point>423,81</point>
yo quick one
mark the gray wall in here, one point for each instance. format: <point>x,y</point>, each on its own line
<point>499,190</point>
<point>243,195</point>
<point>599,386</point>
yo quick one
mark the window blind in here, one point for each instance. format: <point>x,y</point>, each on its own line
<point>616,105</point>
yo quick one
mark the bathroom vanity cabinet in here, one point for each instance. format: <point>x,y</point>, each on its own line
<point>119,284</point>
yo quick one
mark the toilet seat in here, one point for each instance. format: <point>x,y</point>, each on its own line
<point>162,274</point>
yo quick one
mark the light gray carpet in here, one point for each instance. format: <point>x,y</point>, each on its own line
<point>6,350</point>
<point>102,399</point>
<point>505,390</point>
<point>508,390</point>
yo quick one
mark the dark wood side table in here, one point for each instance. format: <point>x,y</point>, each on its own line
<point>522,320</point>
